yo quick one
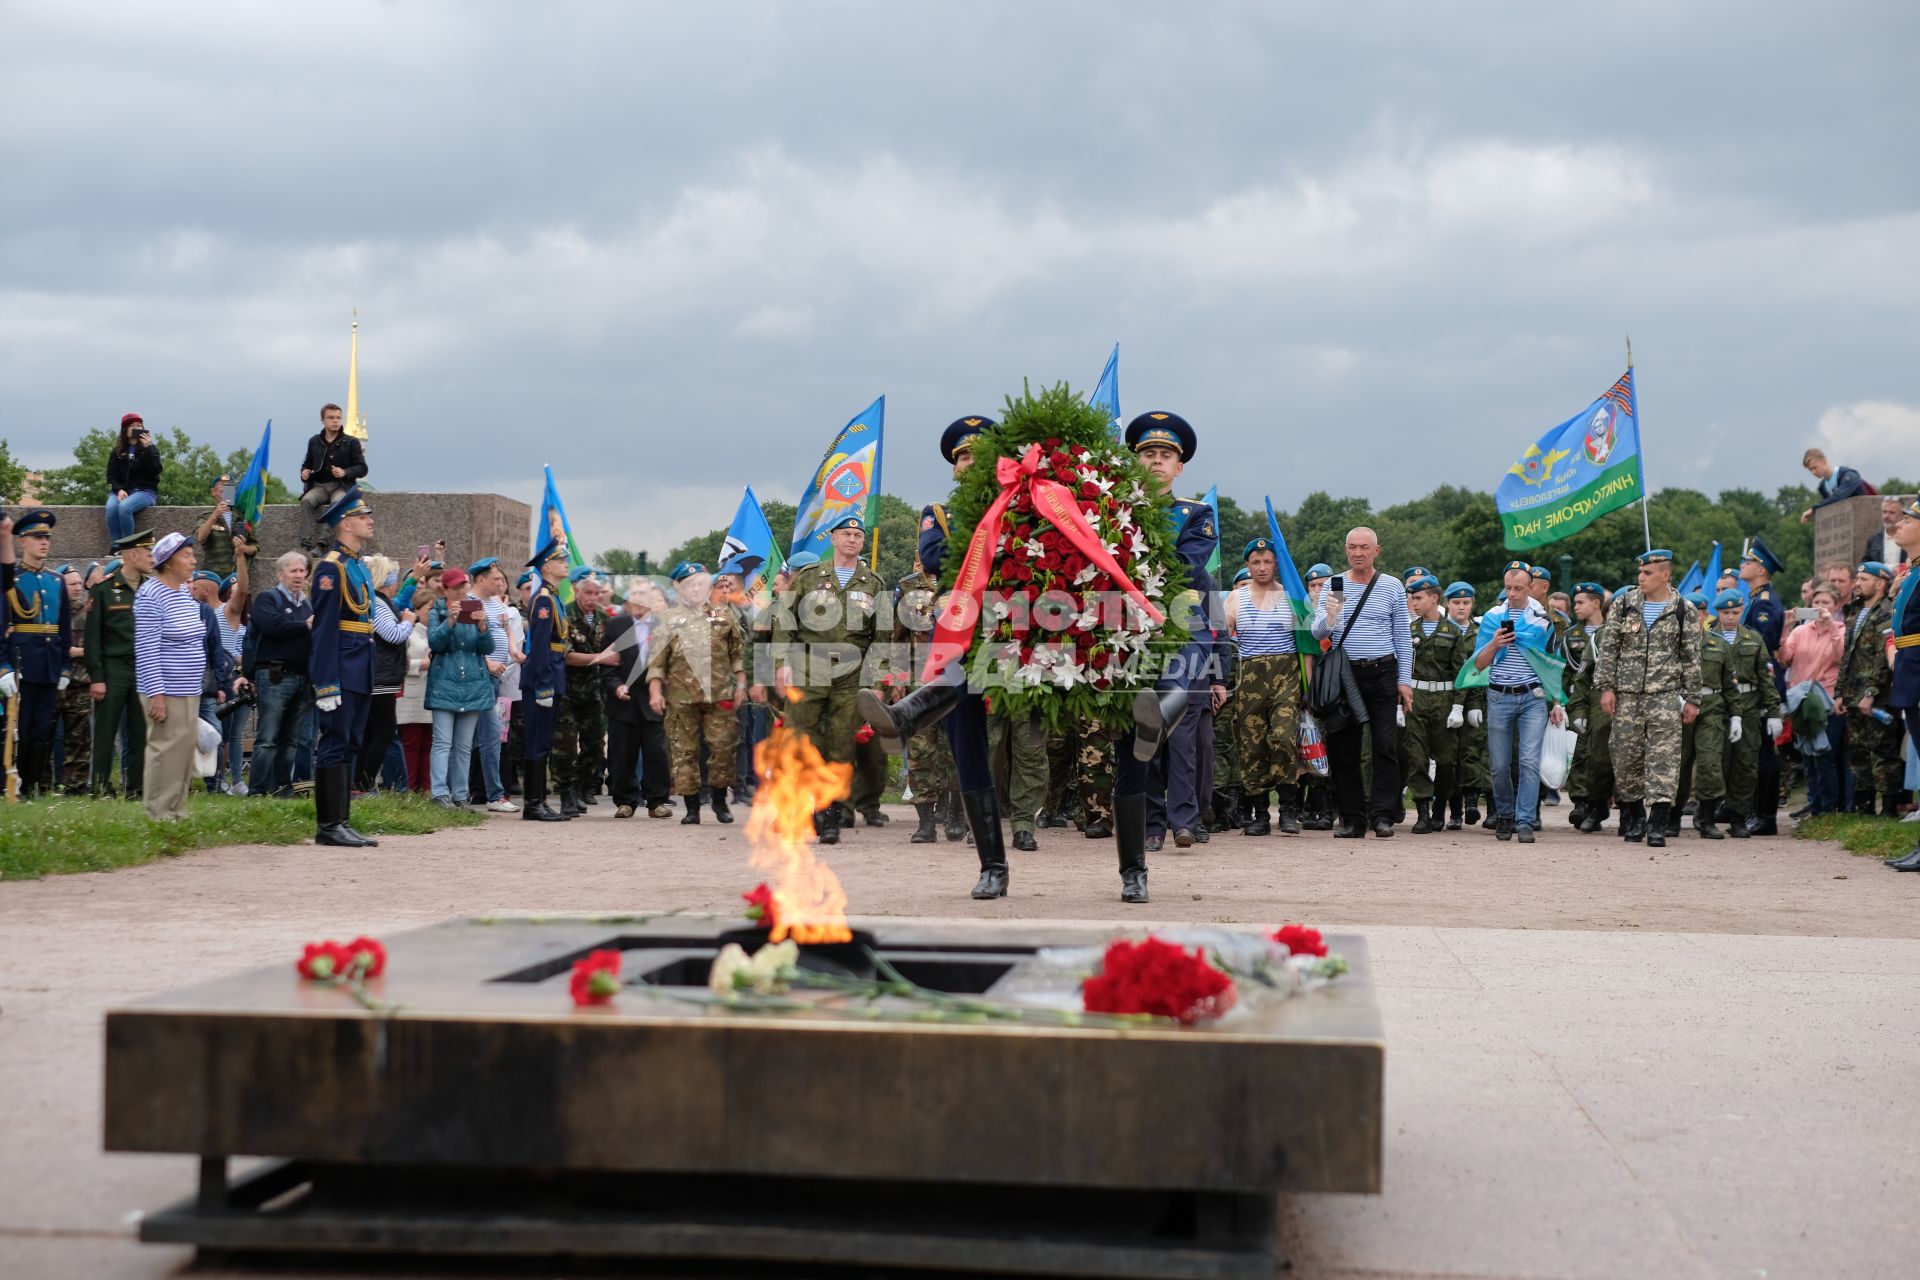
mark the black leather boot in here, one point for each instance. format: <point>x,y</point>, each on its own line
<point>1423,820</point>
<point>1737,827</point>
<point>894,723</point>
<point>1130,835</point>
<point>571,805</point>
<point>925,832</point>
<point>1863,802</point>
<point>330,809</point>
<point>1703,823</point>
<point>1492,814</point>
<point>692,804</point>
<point>1289,810</point>
<point>956,821</point>
<point>1155,713</point>
<point>1657,826</point>
<point>1596,814</point>
<point>533,806</point>
<point>1909,863</point>
<point>827,824</point>
<point>983,815</point>
<point>720,809</point>
<point>1453,812</point>
<point>1257,823</point>
<point>1577,814</point>
<point>1671,825</point>
<point>1472,816</point>
<point>346,807</point>
<point>1633,820</point>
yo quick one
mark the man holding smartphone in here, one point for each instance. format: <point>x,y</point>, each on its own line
<point>1379,647</point>
<point>1513,640</point>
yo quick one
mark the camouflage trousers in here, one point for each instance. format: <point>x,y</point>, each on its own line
<point>688,723</point>
<point>1096,771</point>
<point>1703,759</point>
<point>1017,751</point>
<point>929,765</point>
<point>1873,752</point>
<point>1471,771</point>
<point>1226,750</point>
<point>871,772</point>
<point>580,741</point>
<point>75,712</point>
<point>1647,743</point>
<point>828,716</point>
<point>1590,777</point>
<point>1427,740</point>
<point>1265,710</point>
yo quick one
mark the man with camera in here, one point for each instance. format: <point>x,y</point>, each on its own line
<point>334,463</point>
<point>1378,642</point>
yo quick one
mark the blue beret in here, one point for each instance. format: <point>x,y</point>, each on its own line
<point>848,519</point>
<point>1539,571</point>
<point>479,567</point>
<point>962,432</point>
<point>1699,599</point>
<point>111,567</point>
<point>1258,544</point>
<point>1911,512</point>
<point>1425,582</point>
<point>686,569</point>
<point>1728,599</point>
<point>1242,576</point>
<point>206,575</point>
<point>351,503</point>
<point>1656,556</point>
<point>1162,428</point>
<point>1457,589</point>
<point>526,576</point>
<point>1761,554</point>
<point>803,559</point>
<point>1517,566</point>
<point>1416,571</point>
<point>1875,569</point>
<point>1589,589</point>
<point>580,572</point>
<point>1319,571</point>
<point>39,520</point>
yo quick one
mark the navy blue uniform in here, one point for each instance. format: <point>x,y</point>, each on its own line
<point>1173,801</point>
<point>544,675</point>
<point>1905,695</point>
<point>35,634</point>
<point>340,663</point>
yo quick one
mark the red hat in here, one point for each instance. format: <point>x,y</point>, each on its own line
<point>454,579</point>
<point>125,418</point>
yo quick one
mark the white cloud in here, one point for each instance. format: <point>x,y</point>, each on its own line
<point>1876,437</point>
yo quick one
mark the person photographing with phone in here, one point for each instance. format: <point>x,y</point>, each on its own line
<point>1522,695</point>
<point>1378,644</point>
<point>133,476</point>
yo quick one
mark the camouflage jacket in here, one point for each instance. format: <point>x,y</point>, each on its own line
<point>818,613</point>
<point>1863,667</point>
<point>1750,687</point>
<point>697,653</point>
<point>588,633</point>
<point>1635,658</point>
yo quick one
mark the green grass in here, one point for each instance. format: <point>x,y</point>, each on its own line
<point>1863,835</point>
<point>57,836</point>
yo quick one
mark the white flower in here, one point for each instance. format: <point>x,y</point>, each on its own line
<point>1033,549</point>
<point>1137,546</point>
<point>1031,674</point>
<point>763,974</point>
<point>732,962</point>
<point>1085,576</point>
<point>1081,455</point>
<point>1068,674</point>
<point>1088,618</point>
<point>1123,516</point>
<point>999,610</point>
<point>1113,548</point>
<point>1136,493</point>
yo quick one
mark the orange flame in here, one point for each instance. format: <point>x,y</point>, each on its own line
<point>809,906</point>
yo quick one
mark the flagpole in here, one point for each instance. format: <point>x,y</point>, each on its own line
<point>1640,456</point>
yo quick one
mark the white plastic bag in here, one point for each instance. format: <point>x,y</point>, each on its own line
<point>1556,755</point>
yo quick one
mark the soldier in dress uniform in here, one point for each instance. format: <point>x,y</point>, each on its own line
<point>1471,778</point>
<point>1866,680</point>
<point>1703,744</point>
<point>696,678</point>
<point>1590,777</point>
<point>1755,712</point>
<point>36,631</point>
<point>109,642</point>
<point>543,677</point>
<point>820,641</point>
<point>1903,697</point>
<point>1439,709</point>
<point>340,666</point>
<point>580,730</point>
<point>1648,672</point>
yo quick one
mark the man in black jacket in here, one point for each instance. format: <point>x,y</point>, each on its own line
<point>635,731</point>
<point>334,462</point>
<point>278,645</point>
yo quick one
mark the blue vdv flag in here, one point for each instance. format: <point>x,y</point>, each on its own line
<point>1710,580</point>
<point>1576,473</point>
<point>848,476</point>
<point>749,548</point>
<point>1304,640</point>
<point>553,521</point>
<point>250,495</point>
<point>1106,395</point>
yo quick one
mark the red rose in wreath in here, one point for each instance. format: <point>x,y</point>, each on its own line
<point>596,979</point>
<point>1300,940</point>
<point>1158,978</point>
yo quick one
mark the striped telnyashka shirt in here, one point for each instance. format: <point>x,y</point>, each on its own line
<point>1262,633</point>
<point>169,641</point>
<point>1381,628</point>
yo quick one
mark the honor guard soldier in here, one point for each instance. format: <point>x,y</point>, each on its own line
<point>820,642</point>
<point>696,677</point>
<point>1266,702</point>
<point>1903,697</point>
<point>1866,680</point>
<point>1439,709</point>
<point>36,631</point>
<point>1590,776</point>
<point>1471,778</point>
<point>340,665</point>
<point>109,639</point>
<point>1165,443</point>
<point>1648,674</point>
<point>1754,714</point>
<point>543,677</point>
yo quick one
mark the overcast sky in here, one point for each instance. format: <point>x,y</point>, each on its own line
<point>671,248</point>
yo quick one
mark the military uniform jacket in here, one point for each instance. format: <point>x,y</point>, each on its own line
<point>1636,658</point>
<point>586,633</point>
<point>1195,540</point>
<point>1750,669</point>
<point>341,657</point>
<point>698,653</point>
<point>933,539</point>
<point>544,674</point>
<point>109,634</point>
<point>1906,643</point>
<point>1863,667</point>
<point>822,613</point>
<point>1583,657</point>
<point>1474,699</point>
<point>35,629</point>
<point>1437,658</point>
<point>1716,694</point>
<point>1766,617</point>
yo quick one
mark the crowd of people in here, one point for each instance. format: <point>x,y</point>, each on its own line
<point>535,689</point>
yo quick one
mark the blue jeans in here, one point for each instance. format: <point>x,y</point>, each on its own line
<point>1823,784</point>
<point>486,737</point>
<point>233,738</point>
<point>1516,721</point>
<point>121,511</point>
<point>452,757</point>
<point>286,720</point>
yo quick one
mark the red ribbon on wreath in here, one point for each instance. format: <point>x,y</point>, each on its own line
<point>1052,500</point>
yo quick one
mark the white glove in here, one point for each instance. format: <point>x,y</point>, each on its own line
<point>1773,727</point>
<point>543,703</point>
<point>1400,716</point>
<point>1456,717</point>
<point>9,684</point>
<point>64,682</point>
<point>1580,725</point>
<point>1733,729</point>
<point>1475,717</point>
<point>327,704</point>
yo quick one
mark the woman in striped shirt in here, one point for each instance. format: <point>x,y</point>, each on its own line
<point>170,666</point>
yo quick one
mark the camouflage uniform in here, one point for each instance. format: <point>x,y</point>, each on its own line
<point>823,632</point>
<point>929,756</point>
<point>74,707</point>
<point>580,737</point>
<point>1437,660</point>
<point>1590,776</point>
<point>1703,744</point>
<point>1755,699</point>
<point>1873,748</point>
<point>1472,772</point>
<point>1017,750</point>
<point>1265,711</point>
<point>1096,774</point>
<point>1651,671</point>
<point>1062,752</point>
<point>698,654</point>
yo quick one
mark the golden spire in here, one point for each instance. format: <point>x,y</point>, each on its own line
<point>356,424</point>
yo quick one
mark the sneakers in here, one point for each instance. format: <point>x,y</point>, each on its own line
<point>503,805</point>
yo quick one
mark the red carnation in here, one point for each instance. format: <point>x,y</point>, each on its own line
<point>596,979</point>
<point>759,900</point>
<point>1300,940</point>
<point>863,735</point>
<point>323,960</point>
<point>1158,978</point>
<point>369,954</point>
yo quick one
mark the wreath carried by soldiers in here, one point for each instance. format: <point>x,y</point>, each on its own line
<point>1071,594</point>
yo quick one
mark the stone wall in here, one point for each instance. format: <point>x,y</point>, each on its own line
<point>474,525</point>
<point>1841,530</point>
